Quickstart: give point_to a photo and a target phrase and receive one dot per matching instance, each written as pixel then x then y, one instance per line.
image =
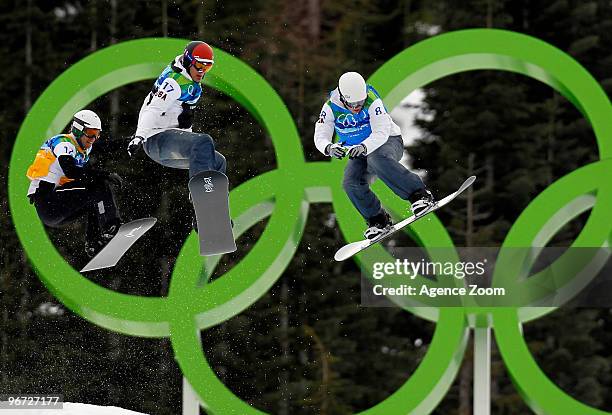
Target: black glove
pixel 357 151
pixel 185 118
pixel 115 180
pixel 335 150
pixel 87 175
pixel 135 145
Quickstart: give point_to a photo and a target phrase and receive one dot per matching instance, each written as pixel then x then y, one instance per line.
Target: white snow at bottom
pixel 72 409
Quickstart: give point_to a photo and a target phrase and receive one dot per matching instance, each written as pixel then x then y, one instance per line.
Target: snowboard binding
pixel 378 224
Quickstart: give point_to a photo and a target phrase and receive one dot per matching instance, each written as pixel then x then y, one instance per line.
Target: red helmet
pixel 198 51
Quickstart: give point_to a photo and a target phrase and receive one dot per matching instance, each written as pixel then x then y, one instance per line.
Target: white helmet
pixel 352 88
pixel 86 119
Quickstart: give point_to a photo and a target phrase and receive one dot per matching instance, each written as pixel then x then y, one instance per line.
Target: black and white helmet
pixel 85 119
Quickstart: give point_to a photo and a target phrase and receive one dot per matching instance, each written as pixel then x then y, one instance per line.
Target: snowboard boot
pixel 94 244
pixel 421 202
pixel 110 231
pixel 378 224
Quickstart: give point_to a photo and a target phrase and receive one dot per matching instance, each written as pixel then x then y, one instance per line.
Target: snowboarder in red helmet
pixel 165 123
pixel 198 58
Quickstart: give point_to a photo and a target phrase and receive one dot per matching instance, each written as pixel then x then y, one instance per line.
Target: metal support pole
pixel 191 403
pixel 482 371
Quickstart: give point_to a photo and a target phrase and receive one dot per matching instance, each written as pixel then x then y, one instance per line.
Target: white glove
pixel 135 145
pixel 335 150
pixel 356 151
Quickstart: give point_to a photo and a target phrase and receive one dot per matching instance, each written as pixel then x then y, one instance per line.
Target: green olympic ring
pixel 181 315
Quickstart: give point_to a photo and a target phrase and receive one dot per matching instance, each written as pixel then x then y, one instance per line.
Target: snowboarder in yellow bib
pixel 63 188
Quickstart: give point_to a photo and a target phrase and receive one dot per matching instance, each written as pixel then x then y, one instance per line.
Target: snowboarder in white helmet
pixel 63 188
pixel 166 116
pixel 373 142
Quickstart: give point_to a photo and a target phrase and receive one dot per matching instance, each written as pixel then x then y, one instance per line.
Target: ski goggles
pixel 352 105
pixel 203 67
pixel 91 133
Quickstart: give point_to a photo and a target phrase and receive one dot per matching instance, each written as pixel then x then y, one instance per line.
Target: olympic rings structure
pixel 191 306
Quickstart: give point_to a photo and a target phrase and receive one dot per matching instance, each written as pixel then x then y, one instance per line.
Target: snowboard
pixel 114 250
pixel 353 248
pixel 210 197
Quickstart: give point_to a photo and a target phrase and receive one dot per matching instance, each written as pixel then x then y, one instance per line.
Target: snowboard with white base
pixel 353 248
pixel 210 197
pixel 114 250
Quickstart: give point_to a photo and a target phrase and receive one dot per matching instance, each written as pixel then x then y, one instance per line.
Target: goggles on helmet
pixel 355 105
pixel 202 67
pixel 91 133
pixel 352 105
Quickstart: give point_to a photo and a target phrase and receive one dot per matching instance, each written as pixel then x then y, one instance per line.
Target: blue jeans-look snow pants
pixel 383 163
pixel 185 150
